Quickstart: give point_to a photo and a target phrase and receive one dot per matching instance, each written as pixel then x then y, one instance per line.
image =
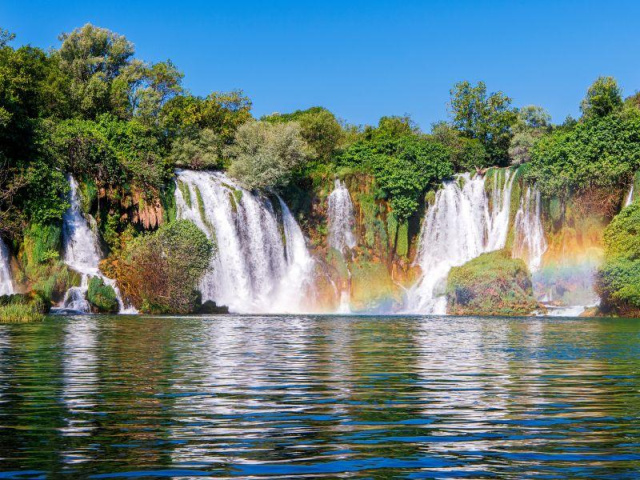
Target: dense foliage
pixel 619 276
pixel 159 271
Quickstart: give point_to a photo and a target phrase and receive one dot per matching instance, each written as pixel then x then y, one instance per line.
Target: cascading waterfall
pixel 341 219
pixel 529 240
pixel 6 282
pixel 82 254
pixel 460 225
pixel 261 265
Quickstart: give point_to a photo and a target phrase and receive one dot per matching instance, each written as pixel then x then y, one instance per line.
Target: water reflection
pixel 320 396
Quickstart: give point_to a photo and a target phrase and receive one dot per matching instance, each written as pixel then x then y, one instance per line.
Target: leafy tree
pixel 404 168
pixel 319 128
pixel 487 118
pixel 220 112
pixel 93 58
pixel 265 155
pixel 531 123
pixel 6 37
pixel 597 152
pixel 198 152
pixel 466 153
pixel 603 98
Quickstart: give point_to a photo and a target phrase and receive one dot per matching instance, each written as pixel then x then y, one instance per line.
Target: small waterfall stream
pixel 341 219
pixel 82 254
pixel 460 225
pixel 6 282
pixel 529 242
pixel 262 265
pixel 629 199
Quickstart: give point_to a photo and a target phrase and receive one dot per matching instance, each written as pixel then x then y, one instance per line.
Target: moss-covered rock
pixel 491 284
pixel 101 296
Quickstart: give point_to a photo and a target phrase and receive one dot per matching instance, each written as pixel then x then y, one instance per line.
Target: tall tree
pixel 487 118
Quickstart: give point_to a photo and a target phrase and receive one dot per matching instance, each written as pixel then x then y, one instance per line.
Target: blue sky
pixel 365 59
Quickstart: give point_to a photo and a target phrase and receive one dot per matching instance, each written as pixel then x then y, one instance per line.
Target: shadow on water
pixel 319 396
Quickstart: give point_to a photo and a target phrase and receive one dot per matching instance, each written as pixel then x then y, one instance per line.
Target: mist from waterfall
pixel 529 239
pixel 262 264
pixel 6 282
pixel 82 254
pixel 461 224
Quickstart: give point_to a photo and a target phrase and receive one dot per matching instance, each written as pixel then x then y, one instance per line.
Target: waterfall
pixel 82 254
pixel 629 200
pixel 6 283
pixel 341 218
pixel 261 264
pixel 529 240
pixel 461 225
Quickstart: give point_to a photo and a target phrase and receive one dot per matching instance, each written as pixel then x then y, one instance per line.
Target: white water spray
pixel 529 242
pixel 261 265
pixel 461 225
pixel 82 254
pixel 6 283
pixel 629 200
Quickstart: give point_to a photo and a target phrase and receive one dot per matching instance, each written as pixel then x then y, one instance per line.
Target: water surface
pixel 287 396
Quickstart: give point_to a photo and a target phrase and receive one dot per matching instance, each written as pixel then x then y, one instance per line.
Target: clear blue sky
pixel 365 59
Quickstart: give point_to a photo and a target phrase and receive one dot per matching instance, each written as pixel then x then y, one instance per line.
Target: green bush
pixel 160 271
pixel 102 297
pixel 491 284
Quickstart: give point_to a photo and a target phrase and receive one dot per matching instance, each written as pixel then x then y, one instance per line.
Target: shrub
pixel 102 297
pixel 160 271
pixel 491 284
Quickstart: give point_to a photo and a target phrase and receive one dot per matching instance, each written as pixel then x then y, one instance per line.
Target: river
pixel 319 396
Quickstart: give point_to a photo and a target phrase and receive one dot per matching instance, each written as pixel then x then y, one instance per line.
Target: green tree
pixel 198 152
pixel 404 168
pixel 487 118
pixel 467 154
pixel 319 128
pixel 531 123
pixel 93 58
pixel 603 97
pixel 597 152
pixel 265 155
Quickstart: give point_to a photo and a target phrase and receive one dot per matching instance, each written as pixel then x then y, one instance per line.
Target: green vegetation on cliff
pixel 619 276
pixel 491 284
